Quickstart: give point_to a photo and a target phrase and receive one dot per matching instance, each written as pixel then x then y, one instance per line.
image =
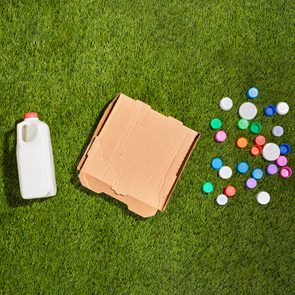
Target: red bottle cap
pixel 230 191
pixel 260 140
pixel 256 150
pixel 30 115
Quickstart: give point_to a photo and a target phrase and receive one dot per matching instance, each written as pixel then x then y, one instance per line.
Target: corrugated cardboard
pixel 136 155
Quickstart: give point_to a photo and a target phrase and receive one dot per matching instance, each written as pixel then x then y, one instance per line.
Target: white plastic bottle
pixel 35 159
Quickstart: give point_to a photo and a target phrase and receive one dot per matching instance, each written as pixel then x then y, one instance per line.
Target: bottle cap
pixel 242 142
pixel 252 92
pixel 221 200
pixel 255 127
pixel 220 136
pixel 270 110
pixel 248 111
pixel 257 173
pixel 282 108
pixel 260 140
pixel 215 123
pixel 230 191
pixel 216 163
pixel 243 124
pixel 226 104
pixel 282 161
pixel 285 148
pixel 277 131
pixel 263 198
pixel 256 150
pixel 207 187
pixel 271 152
pixel 251 183
pixel 272 169
pixel 243 167
pixel 30 115
pixel 225 172
pixel 286 172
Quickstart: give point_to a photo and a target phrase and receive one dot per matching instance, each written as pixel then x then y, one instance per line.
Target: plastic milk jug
pixel 34 158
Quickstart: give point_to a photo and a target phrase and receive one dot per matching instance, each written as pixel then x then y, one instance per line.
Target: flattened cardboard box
pixel 136 155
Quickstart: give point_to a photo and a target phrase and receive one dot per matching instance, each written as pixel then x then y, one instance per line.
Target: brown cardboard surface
pixel 136 155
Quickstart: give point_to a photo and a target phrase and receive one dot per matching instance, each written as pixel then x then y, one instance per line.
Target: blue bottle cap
pixel 257 173
pixel 252 92
pixel 242 167
pixel 270 110
pixel 285 148
pixel 216 163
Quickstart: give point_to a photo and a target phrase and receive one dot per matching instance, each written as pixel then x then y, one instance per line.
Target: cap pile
pixel 270 151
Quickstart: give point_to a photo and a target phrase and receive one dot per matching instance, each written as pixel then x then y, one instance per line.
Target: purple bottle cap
pixel 220 136
pixel 282 161
pixel 251 183
pixel 272 169
pixel 286 172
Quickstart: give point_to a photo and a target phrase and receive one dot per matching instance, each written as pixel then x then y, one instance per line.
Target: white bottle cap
pixel 221 200
pixel 226 104
pixel 271 151
pixel 277 131
pixel 282 108
pixel 248 110
pixel 263 198
pixel 225 172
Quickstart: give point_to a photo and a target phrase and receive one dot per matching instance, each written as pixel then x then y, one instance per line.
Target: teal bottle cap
pixel 215 123
pixel 207 187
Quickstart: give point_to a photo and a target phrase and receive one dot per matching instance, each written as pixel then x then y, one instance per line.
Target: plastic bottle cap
pixel 256 150
pixel 272 169
pixel 286 172
pixel 270 110
pixel 263 198
pixel 243 124
pixel 230 191
pixel 248 111
pixel 216 163
pixel 243 167
pixel 271 152
pixel 255 127
pixel 226 104
pixel 221 200
pixel 251 183
pixel 215 123
pixel 220 136
pixel 260 140
pixel 285 148
pixel 225 172
pixel 277 131
pixel 282 161
pixel 30 115
pixel 252 92
pixel 257 173
pixel 242 142
pixel 207 187
pixel 282 108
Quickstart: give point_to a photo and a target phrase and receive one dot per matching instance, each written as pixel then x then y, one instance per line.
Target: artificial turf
pixel 67 60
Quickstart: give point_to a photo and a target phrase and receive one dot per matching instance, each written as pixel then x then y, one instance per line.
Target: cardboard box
pixel 136 155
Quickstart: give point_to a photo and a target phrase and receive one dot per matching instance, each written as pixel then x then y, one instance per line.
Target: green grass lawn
pixel 66 60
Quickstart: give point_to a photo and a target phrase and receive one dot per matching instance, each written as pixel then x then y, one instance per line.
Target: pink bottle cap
pixel 220 136
pixel 282 161
pixel 286 172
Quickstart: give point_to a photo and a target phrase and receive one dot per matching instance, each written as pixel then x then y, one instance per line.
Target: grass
pixel 66 60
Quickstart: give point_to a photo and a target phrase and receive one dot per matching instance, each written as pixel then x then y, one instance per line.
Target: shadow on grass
pixel 9 162
pixel 76 182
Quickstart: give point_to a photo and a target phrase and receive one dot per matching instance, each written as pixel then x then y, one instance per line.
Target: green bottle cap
pixel 215 123
pixel 255 127
pixel 207 187
pixel 243 124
